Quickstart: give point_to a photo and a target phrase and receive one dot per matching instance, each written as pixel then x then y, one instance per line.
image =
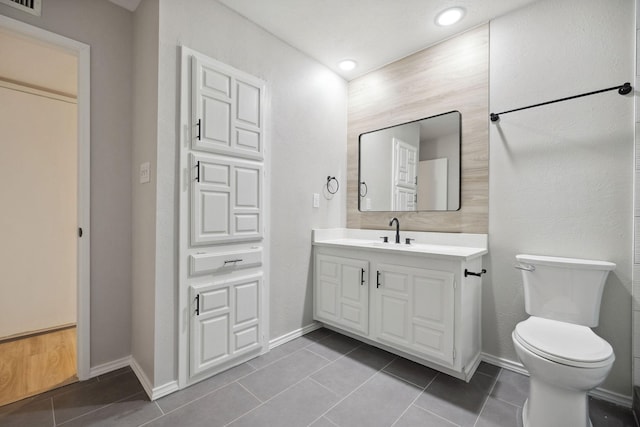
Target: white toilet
pixel 564 357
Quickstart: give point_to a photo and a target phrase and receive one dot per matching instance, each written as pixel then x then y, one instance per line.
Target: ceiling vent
pixel 33 7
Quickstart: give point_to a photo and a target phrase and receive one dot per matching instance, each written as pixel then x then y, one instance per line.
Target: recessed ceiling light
pixel 347 64
pixel 449 16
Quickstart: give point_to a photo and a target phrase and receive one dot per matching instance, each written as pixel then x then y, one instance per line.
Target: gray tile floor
pixel 323 379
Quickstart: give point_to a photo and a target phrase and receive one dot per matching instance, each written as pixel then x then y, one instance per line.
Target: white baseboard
pixel 293 335
pixel 612 397
pixel 168 388
pixel 142 377
pixel 153 392
pixel 598 393
pixel 105 368
pixel 164 390
pixel 504 363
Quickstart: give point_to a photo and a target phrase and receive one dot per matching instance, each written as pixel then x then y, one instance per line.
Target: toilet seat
pixel 564 343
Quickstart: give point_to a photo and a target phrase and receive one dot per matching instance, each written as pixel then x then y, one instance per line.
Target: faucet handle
pixel 408 240
pixel 385 239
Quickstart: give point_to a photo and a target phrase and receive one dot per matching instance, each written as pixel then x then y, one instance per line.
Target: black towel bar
pixel 622 90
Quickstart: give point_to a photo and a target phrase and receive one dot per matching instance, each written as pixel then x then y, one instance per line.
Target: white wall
pixel 107 28
pixel 307 142
pixel 561 175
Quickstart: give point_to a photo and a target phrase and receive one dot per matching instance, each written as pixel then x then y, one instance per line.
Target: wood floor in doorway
pixel 37 363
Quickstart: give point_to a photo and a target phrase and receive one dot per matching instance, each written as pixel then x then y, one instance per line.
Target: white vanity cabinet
pixel 413 309
pixel 416 303
pixel 341 292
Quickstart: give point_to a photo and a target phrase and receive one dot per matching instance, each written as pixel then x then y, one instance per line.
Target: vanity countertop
pixel 440 245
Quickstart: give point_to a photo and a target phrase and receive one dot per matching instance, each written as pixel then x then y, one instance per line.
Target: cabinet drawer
pixel 203 263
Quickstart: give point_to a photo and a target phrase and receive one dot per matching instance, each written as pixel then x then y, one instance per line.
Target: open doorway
pixel 44 190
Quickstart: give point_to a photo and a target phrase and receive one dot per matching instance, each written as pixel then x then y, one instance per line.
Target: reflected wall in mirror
pixel 414 166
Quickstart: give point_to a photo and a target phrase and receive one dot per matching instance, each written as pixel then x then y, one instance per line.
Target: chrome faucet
pixel 397 228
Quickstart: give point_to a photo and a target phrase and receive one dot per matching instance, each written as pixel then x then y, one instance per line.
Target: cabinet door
pixel 342 292
pixel 225 322
pixel 228 110
pixel 414 310
pixel 226 202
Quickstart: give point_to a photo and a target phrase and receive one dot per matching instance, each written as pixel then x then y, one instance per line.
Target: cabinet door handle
pixel 199 124
pixel 362 277
pixel 198 305
pixel 198 171
pixel 377 279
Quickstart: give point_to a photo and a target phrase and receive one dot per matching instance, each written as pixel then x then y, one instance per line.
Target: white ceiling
pixel 371 32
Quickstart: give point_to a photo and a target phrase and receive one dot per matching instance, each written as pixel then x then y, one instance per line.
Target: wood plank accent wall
pixel 452 75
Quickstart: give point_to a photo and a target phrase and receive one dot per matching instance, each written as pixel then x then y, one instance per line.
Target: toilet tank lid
pixel 566 262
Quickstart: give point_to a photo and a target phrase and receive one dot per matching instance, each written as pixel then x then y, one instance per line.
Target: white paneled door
pixel 404 176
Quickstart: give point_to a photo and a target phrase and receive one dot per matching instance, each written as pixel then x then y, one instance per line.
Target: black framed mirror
pixel 412 166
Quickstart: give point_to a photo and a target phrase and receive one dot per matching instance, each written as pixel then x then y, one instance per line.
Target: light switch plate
pixel 145 173
pixel 316 200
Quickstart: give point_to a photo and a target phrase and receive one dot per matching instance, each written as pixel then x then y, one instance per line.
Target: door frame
pixel 83 52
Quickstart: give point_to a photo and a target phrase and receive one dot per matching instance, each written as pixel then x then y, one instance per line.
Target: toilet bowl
pixel 564 357
pixel 564 361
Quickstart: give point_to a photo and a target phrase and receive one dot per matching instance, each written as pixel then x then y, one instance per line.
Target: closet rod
pixel 622 90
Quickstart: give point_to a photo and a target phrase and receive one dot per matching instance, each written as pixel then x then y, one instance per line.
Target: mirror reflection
pixel 414 166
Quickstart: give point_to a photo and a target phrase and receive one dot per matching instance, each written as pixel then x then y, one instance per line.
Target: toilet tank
pixel 564 289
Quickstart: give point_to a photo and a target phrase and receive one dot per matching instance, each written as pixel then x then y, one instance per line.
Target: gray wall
pixel 145 138
pixel 561 175
pixel 307 142
pixel 107 28
pixel 636 250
